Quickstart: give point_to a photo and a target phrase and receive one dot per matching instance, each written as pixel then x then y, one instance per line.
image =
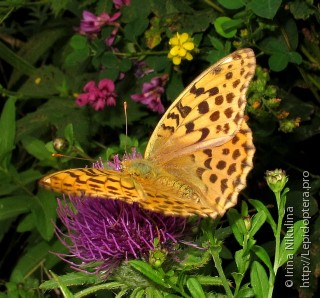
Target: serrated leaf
pixel 209 280
pixel 153 274
pixel 64 289
pixel 75 279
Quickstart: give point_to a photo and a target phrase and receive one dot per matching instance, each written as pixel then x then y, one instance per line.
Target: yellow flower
pixel 181 46
pixel 37 80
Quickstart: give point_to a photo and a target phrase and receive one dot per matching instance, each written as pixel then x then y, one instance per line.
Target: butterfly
pixel 198 157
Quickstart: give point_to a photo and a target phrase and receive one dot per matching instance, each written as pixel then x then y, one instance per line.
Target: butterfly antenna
pixel 72 157
pixel 126 118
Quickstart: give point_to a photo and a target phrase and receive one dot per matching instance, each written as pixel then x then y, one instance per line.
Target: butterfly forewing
pixel 208 112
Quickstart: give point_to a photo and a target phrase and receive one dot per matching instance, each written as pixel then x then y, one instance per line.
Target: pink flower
pixel 98 96
pixel 141 69
pixel 151 94
pixel 91 24
pixel 119 3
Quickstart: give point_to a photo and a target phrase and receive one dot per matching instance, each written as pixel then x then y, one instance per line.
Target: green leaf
pixel 245 291
pixel 136 28
pixel 216 43
pixel 259 280
pixel 292 241
pixel 77 57
pixel 64 290
pixel 15 205
pixel 209 280
pixel 44 213
pixel 263 255
pixel 278 61
pixel 16 61
pixel 295 57
pixel 242 261
pixel 36 148
pixel 244 209
pixel 13 181
pixel 78 42
pixel 8 132
pixel 153 274
pixel 231 4
pixel 195 288
pixel 28 262
pixel 137 9
pixel 237 224
pixel 75 279
pixel 265 8
pixel 256 223
pixel 153 293
pixel 291 34
pixel 225 26
pixel 262 208
pixel 37 47
pixel 301 9
pixel 56 111
pixel 138 292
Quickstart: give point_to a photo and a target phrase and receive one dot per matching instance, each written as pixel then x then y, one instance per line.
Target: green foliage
pixel 45 64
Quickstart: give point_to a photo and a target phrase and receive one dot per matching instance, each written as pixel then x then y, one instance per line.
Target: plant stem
pixel 278 243
pixel 217 263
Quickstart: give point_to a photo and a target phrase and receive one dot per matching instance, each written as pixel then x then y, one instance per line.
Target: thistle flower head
pixel 103 233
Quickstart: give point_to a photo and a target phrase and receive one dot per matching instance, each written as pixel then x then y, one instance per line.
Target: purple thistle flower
pixel 103 233
pixel 151 94
pixel 98 96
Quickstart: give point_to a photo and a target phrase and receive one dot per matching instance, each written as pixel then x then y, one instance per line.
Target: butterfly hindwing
pixel 217 174
pixel 90 182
